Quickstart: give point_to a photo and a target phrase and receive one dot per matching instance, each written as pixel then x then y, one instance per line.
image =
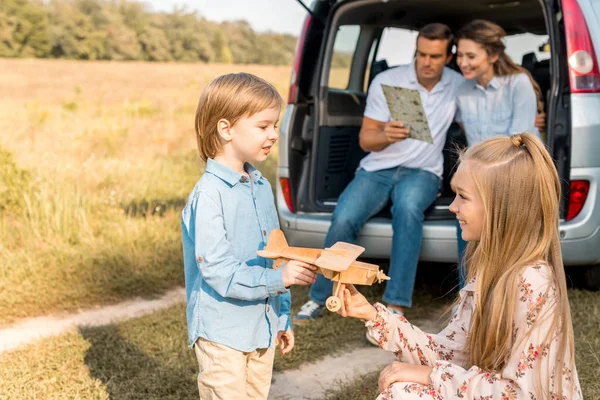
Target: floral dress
pixel 451 378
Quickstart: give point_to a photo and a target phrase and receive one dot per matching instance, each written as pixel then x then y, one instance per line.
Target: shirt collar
pixel 230 176
pixel 470 286
pixel 495 83
pixel 412 73
pixel 412 77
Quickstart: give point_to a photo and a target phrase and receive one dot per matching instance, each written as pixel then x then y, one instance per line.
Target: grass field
pixel 97 159
pixel 148 357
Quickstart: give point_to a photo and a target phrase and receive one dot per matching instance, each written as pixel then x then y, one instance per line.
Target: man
pixel 407 171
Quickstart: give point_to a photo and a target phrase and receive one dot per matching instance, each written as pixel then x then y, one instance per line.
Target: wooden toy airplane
pixel 337 263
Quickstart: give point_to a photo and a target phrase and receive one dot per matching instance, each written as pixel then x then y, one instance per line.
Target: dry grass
pixel 102 156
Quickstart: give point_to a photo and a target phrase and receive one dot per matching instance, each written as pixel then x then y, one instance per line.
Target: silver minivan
pixel 344 44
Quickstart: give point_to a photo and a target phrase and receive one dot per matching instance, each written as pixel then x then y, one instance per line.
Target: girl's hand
pixel 286 340
pixel 355 304
pixel 403 372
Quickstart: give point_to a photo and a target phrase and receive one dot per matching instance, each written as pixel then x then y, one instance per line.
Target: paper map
pixel 405 106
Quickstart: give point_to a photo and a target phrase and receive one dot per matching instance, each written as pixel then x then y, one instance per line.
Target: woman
pixel 498 97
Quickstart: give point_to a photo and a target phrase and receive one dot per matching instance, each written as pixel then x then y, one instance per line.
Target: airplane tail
pixel 277 241
pixel 275 246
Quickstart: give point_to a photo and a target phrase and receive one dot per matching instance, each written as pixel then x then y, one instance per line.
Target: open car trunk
pixel 324 153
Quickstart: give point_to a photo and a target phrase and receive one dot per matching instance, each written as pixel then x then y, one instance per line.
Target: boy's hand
pixel 298 273
pixel 355 304
pixel 286 340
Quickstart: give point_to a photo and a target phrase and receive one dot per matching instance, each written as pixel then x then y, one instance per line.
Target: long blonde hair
pixel 489 35
pixel 520 190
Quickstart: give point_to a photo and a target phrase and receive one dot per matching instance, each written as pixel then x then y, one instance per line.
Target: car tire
pixel 591 277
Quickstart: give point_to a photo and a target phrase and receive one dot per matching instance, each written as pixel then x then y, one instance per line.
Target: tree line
pixel 129 30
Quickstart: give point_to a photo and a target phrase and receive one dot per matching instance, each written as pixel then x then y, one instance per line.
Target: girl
pixel 510 336
pixel 498 97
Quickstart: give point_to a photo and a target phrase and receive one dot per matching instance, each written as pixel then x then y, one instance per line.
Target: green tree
pixel 24 28
pixel 128 30
pixel 189 36
pixel 74 34
pixel 7 26
pixel 221 48
pixel 155 45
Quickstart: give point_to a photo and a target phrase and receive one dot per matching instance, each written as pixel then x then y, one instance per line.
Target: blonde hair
pixel 230 97
pixel 520 190
pixel 489 36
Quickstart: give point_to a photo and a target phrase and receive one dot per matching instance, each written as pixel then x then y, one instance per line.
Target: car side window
pixel 343 51
pixel 395 47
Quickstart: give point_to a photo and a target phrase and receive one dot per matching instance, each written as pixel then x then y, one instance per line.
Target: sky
pixel 287 16
pixel 282 16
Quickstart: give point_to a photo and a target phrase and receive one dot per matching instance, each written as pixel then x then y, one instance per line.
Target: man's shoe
pixel 372 340
pixel 308 312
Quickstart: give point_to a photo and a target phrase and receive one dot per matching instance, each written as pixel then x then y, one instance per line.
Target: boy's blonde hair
pixel 230 97
pixel 520 190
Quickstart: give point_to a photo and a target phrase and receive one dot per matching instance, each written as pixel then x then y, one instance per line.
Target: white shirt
pixel 507 106
pixel 439 106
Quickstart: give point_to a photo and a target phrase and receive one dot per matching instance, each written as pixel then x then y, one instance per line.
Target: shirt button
pixel 265 233
pixel 200 259
pixel 268 309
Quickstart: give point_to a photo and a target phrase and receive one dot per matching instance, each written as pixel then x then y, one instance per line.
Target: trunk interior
pixel 324 150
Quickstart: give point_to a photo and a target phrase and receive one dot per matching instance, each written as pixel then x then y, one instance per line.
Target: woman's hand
pixel 403 372
pixel 540 121
pixel 355 304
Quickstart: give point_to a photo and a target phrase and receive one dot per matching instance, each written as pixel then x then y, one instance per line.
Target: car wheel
pixel 591 277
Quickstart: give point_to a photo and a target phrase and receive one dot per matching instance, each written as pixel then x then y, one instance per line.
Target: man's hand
pixel 354 304
pixel 403 372
pixel 286 340
pixel 395 131
pixel 377 135
pixel 298 273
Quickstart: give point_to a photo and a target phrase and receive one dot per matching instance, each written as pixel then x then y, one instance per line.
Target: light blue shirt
pixel 234 297
pixel 506 107
pixel 439 106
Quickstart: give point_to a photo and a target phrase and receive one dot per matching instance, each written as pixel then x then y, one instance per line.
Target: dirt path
pixel 30 330
pixel 311 381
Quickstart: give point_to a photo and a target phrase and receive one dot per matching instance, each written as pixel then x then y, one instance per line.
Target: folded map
pixel 405 106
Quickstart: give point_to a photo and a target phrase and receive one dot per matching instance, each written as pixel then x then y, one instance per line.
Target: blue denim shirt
pixel 507 106
pixel 234 297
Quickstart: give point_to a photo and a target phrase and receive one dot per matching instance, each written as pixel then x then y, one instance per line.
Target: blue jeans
pixel 412 191
pixel 462 246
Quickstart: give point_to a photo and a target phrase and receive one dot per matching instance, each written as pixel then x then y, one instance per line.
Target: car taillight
pixel 577 196
pixel 297 60
pixel 287 195
pixel 583 66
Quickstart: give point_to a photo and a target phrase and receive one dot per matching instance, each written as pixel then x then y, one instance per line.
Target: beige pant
pixel 228 374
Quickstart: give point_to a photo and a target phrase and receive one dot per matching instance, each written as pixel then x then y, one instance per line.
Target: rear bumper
pixel 580 237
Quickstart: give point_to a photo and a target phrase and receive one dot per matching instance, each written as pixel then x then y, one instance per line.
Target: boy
pixel 237 306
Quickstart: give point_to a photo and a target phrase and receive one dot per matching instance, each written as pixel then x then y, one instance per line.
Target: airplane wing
pixel 351 250
pixel 339 256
